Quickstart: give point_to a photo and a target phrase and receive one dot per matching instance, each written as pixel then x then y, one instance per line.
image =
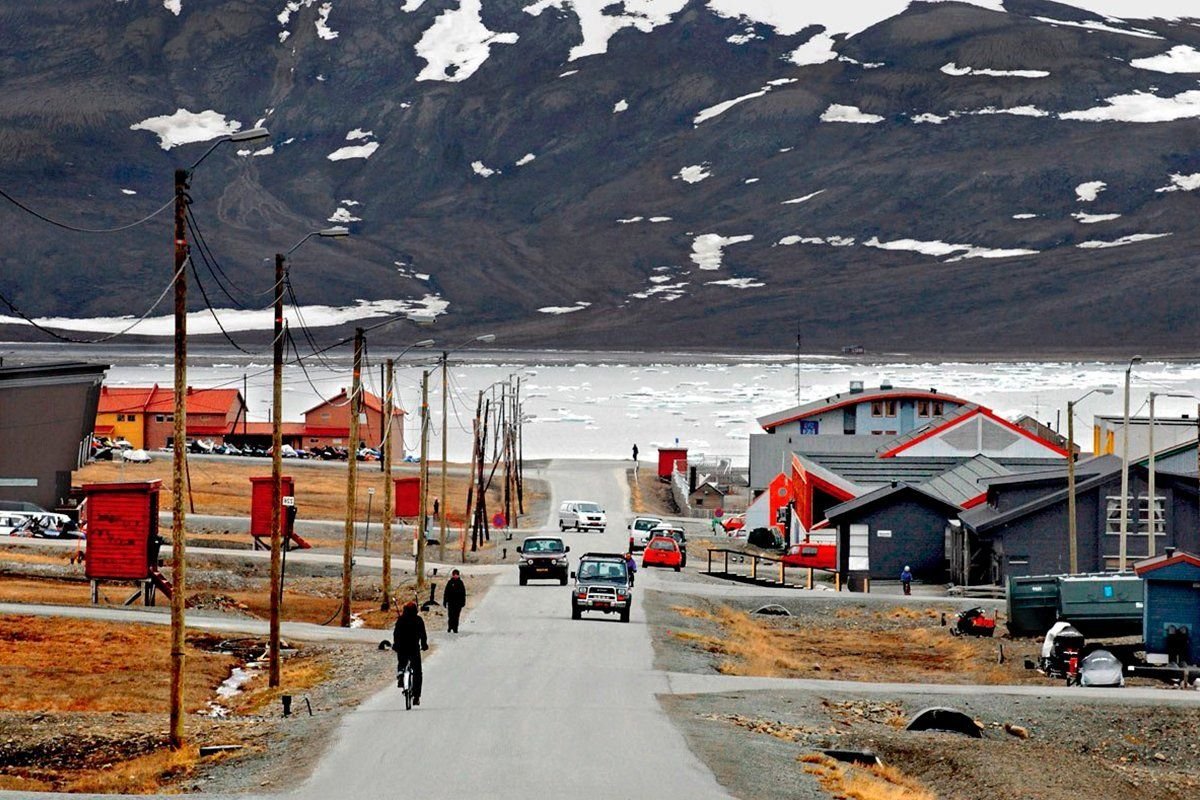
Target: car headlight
pixel 561 562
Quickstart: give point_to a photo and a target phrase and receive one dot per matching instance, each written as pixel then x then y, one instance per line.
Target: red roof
pixel 155 400
pixel 772 421
pixel 370 402
pixel 121 400
pixel 1158 562
pixel 958 420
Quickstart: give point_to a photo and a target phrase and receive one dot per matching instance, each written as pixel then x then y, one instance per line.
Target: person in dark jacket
pixel 408 640
pixel 455 597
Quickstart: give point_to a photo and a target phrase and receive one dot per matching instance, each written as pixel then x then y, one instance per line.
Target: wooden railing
pixel 774 572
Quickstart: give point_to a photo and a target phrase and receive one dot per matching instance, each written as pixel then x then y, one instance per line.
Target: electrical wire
pixel 216 319
pixel 210 260
pixel 77 229
pixel 308 378
pixel 13 308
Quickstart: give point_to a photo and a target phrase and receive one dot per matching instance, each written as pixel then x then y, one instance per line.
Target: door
pixel 860 548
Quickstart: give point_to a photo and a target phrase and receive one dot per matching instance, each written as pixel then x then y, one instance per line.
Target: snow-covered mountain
pixel 990 176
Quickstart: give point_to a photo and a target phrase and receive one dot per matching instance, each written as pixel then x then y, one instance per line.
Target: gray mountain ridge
pixel 919 247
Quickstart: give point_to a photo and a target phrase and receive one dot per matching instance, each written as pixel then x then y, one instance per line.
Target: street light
pixel 386 458
pixel 1151 501
pixel 179 434
pixel 485 338
pixel 1072 534
pixel 1125 469
pixel 277 455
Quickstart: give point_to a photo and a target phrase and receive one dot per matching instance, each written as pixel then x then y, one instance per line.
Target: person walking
pixel 409 640
pixel 455 598
pixel 635 452
pixel 906 579
pixel 631 566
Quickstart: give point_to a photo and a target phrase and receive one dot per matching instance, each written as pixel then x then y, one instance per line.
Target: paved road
pixel 533 703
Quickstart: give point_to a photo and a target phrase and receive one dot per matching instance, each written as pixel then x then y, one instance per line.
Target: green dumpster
pixel 1102 606
pixel 1032 604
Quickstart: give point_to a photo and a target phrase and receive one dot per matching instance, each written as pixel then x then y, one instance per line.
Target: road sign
pixel 499 521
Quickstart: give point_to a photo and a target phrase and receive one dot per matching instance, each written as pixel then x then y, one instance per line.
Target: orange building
pixel 145 417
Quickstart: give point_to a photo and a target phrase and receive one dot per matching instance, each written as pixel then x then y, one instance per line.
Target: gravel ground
pixel 1102 750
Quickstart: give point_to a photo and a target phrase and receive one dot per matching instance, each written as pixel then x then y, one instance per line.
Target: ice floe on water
pixel 1133 238
pixel 957 71
pixel 852 114
pixel 458 43
pixel 1088 192
pixel 185 127
pixel 708 249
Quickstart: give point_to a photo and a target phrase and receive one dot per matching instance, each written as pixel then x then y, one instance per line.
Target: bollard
pixel 503 553
pixel 287 704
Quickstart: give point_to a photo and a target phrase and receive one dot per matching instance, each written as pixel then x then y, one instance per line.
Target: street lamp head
pixel 1105 389
pixel 487 337
pixel 1134 360
pixel 334 233
pixel 424 343
pixel 254 134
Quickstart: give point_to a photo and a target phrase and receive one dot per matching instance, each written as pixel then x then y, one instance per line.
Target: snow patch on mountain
pixel 482 170
pixel 599 20
pixel 1181 58
pixel 694 173
pixel 721 108
pixel 174 6
pixel 1141 107
pixel 832 241
pixel 1124 240
pixel 737 283
pixel 1024 216
pixel 817 50
pixel 804 199
pixel 927 118
pixel 1182 183
pixel 1091 219
pixel 1088 192
pixel 458 43
pixel 323 29
pixel 957 71
pixel 579 306
pixel 708 249
pixel 186 127
pixel 1094 25
pixel 939 248
pixel 131 191
pixel 853 114
pixel 344 215
pixel 620 105
pixel 525 159
pixel 354 151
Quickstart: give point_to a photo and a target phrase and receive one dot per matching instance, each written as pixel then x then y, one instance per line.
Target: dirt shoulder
pixel 762 746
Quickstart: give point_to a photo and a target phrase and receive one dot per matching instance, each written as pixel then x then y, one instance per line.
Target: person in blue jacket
pixel 906 579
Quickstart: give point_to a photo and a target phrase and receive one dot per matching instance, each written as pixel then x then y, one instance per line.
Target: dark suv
pixel 602 584
pixel 543 557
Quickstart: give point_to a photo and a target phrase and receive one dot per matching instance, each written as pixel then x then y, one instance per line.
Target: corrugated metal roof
pixel 842 398
pixel 882 493
pixel 933 424
pixel 965 481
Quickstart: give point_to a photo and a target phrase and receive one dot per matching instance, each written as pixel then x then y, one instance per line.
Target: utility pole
pixel 444 497
pixel 352 475
pixel 276 476
pixel 798 365
pixel 422 518
pixel 388 488
pixel 1072 532
pixel 469 516
pixel 179 461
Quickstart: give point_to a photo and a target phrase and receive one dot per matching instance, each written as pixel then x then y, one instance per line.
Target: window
pixel 1137 533
pixel 325 415
pixel 938 408
pixel 876 408
pixel 120 417
pixel 159 418
pixel 170 417
pixel 922 408
pixel 889 408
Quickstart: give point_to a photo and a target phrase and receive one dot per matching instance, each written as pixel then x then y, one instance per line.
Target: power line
pixel 216 319
pixel 77 229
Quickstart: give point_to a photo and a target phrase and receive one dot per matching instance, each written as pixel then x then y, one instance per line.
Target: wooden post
pixel 389 489
pixel 273 667
pixel 352 476
pixel 754 568
pixel 810 577
pixel 423 518
pixel 179 463
pixel 444 499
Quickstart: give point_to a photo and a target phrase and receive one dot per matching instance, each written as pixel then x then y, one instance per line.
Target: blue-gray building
pixel 1171 616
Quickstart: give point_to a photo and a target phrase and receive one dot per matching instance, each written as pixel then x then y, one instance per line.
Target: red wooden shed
pixel 670 459
pixel 408 497
pixel 122 530
pixel 260 510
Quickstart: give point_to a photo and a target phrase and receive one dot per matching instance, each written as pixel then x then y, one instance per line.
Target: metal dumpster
pixel 1102 606
pixel 1032 604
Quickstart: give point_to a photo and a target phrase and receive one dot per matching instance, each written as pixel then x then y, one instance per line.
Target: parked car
pixel 41 525
pixel 601 584
pixel 639 531
pixel 543 557
pixel 581 515
pixel 814 555
pixel 663 551
pixel 674 532
pixel 135 456
pixel 732 525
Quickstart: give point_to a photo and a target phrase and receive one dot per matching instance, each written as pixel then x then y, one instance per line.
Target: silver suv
pixel 601 584
pixel 581 515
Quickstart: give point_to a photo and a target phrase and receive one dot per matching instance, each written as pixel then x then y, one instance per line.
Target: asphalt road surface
pixel 526 703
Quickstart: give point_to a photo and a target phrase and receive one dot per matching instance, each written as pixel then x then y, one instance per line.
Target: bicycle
pixel 404 680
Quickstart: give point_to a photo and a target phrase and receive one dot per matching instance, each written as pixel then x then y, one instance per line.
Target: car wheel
pixel 575 612
pixel 577 528
pixel 678 568
pixel 524 580
pixel 625 615
pixel 561 527
pixel 562 581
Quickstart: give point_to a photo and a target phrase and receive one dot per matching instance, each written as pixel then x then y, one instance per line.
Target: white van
pixel 581 515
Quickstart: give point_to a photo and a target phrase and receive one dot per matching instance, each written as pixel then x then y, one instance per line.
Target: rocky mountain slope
pixel 999 176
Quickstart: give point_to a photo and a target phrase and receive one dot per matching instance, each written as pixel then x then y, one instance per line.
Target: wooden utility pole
pixel 352 475
pixel 179 461
pixel 468 516
pixel 388 488
pixel 423 516
pixel 276 477
pixel 444 497
pixel 520 417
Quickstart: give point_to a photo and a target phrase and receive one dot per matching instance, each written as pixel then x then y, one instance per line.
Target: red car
pixel 662 551
pixel 811 554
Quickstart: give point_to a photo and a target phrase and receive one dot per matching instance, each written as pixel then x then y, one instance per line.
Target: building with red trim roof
pixel 145 416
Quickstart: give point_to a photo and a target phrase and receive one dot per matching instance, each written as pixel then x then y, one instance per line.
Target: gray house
pixel 47 413
pixel 881 532
pixel 1022 528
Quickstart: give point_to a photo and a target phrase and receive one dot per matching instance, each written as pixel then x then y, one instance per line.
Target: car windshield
pixel 542 546
pixel 602 570
pixel 645 524
pixel 590 508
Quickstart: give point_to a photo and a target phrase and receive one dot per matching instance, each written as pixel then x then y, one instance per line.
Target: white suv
pixel 639 531
pixel 581 515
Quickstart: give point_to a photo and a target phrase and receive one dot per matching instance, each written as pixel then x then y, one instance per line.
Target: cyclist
pixel 408 640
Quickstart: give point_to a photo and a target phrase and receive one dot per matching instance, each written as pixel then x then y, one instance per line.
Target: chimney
pixel 885 385
pixel 1169 551
pixel 856 387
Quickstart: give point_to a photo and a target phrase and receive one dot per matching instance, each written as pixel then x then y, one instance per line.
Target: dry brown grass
pixel 141 775
pixel 22 557
pixel 879 782
pixel 776 648
pixel 34 590
pixel 54 665
pixel 297 674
